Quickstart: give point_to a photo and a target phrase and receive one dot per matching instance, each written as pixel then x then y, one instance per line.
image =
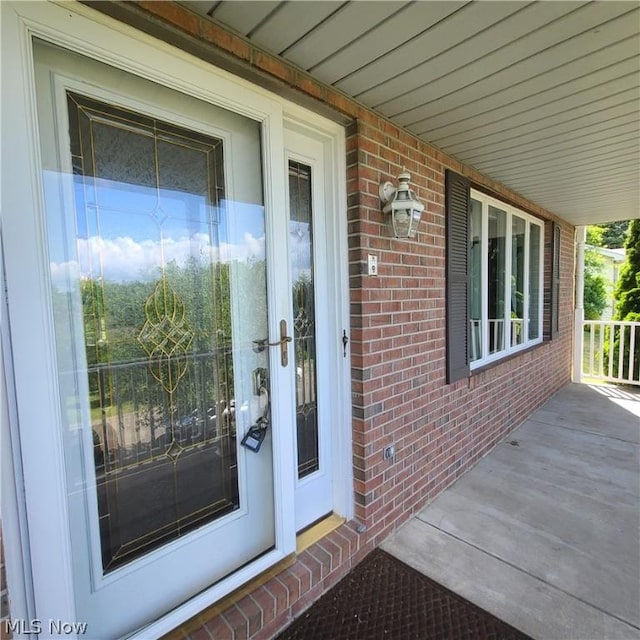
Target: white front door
pixel 155 232
pixel 161 222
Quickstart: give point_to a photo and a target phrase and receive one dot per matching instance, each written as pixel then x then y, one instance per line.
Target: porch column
pixel 578 337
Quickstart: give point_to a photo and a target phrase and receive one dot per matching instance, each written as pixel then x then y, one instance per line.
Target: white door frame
pixel 315 149
pixel 84 30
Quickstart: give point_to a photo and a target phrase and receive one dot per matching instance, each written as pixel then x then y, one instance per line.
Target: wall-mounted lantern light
pixel 403 205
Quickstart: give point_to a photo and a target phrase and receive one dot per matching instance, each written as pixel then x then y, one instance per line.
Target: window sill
pixel 512 356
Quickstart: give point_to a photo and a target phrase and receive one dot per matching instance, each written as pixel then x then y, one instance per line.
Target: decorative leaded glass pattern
pixel 157 328
pixel 166 335
pixel 304 317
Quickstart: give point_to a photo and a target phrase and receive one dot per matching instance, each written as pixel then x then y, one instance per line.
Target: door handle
pixel 261 345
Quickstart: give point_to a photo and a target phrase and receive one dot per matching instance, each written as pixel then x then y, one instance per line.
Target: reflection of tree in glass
pixel 304 317
pixel 130 411
pixel 305 353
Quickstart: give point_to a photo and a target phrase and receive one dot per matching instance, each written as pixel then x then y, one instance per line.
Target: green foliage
pixel 612 234
pixel 626 352
pixel 627 290
pixel 121 372
pixel 595 295
pixel 595 286
pixel 594 235
pixel 627 294
pixel 593 261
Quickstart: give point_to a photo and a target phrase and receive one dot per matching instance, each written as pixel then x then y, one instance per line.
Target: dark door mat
pixel 383 598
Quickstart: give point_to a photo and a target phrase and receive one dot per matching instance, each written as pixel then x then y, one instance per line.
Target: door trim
pixel 332 136
pixel 90 33
pixel 15 537
pixel 311 148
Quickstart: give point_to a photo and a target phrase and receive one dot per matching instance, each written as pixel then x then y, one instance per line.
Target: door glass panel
pixel 518 231
pixel 301 243
pixel 160 287
pixel 475 276
pixel 534 281
pixel 497 263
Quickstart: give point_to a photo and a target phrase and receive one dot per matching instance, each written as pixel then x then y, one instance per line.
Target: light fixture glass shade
pixel 403 205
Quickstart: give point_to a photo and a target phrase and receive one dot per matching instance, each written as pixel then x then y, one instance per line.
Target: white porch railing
pixel 496 335
pixel 611 351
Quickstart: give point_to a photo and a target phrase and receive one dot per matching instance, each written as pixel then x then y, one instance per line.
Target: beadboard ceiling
pixel 542 96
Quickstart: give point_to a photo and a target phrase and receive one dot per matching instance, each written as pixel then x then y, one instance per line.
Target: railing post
pixel 578 334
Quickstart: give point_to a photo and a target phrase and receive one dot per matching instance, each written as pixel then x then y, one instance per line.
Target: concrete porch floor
pixel 544 532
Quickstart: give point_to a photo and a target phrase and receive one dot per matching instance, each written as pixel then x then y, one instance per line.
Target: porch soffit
pixel 543 97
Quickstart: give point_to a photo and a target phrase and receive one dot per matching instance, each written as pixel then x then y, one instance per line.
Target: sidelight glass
pixel 304 317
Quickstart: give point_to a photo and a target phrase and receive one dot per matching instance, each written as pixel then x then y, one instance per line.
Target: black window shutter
pixel 457 196
pixel 555 282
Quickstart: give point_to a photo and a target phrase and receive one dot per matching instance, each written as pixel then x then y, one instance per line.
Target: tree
pixel 595 235
pixel 595 287
pixel 627 295
pixel 612 234
pixel 627 290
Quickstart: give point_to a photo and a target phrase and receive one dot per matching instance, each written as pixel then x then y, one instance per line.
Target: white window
pixel 505 274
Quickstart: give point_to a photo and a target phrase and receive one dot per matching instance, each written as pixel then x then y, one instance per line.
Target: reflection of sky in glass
pixel 126 232
pixel 128 246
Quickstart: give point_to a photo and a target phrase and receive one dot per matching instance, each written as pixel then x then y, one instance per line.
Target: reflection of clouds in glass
pixel 62 273
pixel 300 249
pixel 123 259
pixel 249 249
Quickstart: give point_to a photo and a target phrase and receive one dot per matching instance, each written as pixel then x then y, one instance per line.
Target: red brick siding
pixel 398 340
pixel 397 349
pixel 271 606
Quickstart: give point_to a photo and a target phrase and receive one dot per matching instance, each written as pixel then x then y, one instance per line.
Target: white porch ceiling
pixel 543 97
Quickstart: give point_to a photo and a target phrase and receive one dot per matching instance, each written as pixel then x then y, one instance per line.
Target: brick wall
pixel 397 337
pixel 398 345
